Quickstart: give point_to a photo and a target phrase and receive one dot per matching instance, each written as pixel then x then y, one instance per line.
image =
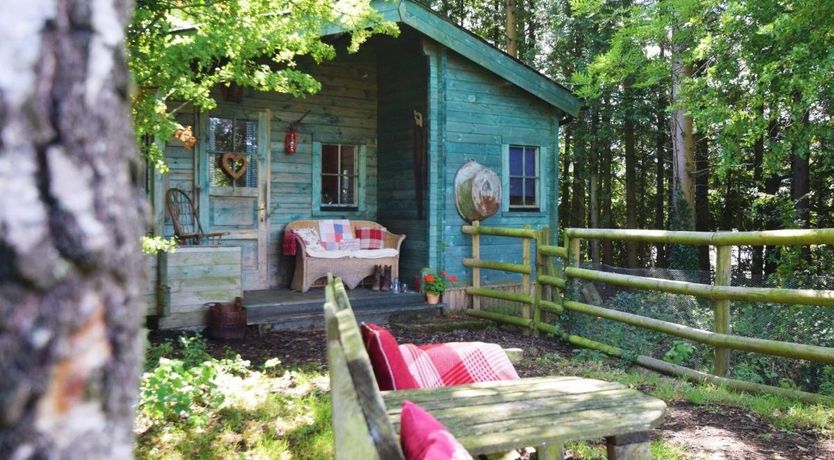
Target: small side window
pixel 524 178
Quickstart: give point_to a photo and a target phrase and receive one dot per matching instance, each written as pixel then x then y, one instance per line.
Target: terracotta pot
pixel 432 298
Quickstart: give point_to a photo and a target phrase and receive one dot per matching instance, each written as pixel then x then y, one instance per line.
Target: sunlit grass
pixel 264 416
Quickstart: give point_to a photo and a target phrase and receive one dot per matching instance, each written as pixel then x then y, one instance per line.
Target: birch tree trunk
pixel 683 167
pixel 70 221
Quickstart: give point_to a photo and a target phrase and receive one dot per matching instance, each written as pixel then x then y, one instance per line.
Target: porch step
pixel 277 319
pixel 286 311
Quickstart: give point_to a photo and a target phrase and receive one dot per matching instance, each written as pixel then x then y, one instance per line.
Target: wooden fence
pixel 554 290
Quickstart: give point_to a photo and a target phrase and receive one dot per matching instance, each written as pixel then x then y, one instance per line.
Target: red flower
pixel 453 279
pixel 429 278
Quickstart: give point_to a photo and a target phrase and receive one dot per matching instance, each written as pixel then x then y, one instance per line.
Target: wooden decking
pixel 285 309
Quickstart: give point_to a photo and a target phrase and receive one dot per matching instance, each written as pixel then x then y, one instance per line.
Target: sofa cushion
pixel 334 231
pixel 389 367
pixel 310 237
pixel 320 253
pixel 422 437
pixel 349 245
pixel 374 253
pixel 371 237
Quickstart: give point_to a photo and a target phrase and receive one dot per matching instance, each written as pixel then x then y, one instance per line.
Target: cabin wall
pixel 343 111
pixel 402 90
pixel 482 113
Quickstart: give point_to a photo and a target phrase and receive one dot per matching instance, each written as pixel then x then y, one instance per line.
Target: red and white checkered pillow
pixel 371 237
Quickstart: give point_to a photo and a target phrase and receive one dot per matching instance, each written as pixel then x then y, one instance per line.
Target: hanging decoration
pixel 291 138
pixel 234 164
pixel 186 136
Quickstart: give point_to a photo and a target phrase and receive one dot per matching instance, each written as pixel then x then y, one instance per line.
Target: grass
pixel 271 413
pixel 784 413
pixel 284 413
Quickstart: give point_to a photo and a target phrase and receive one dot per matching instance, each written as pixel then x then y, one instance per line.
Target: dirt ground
pixel 709 432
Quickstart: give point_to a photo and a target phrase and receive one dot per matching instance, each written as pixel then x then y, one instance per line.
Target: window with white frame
pixel 339 176
pixel 524 179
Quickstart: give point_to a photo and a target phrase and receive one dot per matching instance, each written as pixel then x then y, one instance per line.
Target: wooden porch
pixel 287 309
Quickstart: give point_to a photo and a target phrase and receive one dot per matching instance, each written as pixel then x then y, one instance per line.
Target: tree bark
pixel 630 185
pixel 606 207
pixel 565 207
pixel 683 168
pixel 800 187
pixel 757 264
pixel 71 218
pixel 511 27
pixel 660 165
pixel 703 219
pixel 593 182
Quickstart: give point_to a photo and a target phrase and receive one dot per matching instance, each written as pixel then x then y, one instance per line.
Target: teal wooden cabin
pixel 474 101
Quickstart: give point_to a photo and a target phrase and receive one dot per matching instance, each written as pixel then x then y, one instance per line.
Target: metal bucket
pixel 477 191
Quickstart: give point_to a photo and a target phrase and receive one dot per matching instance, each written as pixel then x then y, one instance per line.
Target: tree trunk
pixel 771 188
pixel 607 220
pixel 630 185
pixel 565 203
pixel 757 265
pixel 70 210
pixel 683 167
pixel 703 220
pixel 512 29
pixel 660 165
pixel 800 188
pixel 593 182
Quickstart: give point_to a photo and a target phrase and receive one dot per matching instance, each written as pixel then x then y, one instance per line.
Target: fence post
pixel 542 237
pixel 476 272
pixel 721 310
pixel 525 278
pixel 572 245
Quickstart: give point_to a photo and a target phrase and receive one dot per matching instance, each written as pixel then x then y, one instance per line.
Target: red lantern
pixel 291 141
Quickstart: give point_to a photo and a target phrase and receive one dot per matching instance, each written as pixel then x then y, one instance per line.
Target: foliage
pixel 155 244
pixel 680 353
pixel 173 392
pixel 181 51
pixel 435 283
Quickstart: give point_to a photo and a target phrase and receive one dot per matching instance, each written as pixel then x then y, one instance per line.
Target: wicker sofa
pixel 352 266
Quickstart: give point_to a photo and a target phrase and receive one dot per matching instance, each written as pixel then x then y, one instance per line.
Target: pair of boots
pixel 382 278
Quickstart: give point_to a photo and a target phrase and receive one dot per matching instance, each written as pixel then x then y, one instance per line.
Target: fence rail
pixel 554 290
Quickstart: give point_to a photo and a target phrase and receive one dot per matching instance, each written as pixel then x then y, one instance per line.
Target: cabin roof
pixel 480 52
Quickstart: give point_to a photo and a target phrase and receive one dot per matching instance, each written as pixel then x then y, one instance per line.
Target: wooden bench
pixel 489 417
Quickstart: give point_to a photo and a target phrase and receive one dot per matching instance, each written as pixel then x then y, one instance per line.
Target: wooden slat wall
pixel 197 275
pixel 402 89
pixel 344 111
pixel 181 164
pixel 483 112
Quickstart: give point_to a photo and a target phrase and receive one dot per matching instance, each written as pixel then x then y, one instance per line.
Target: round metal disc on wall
pixel 477 191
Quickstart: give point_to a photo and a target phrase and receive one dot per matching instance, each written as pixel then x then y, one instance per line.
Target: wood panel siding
pixel 483 113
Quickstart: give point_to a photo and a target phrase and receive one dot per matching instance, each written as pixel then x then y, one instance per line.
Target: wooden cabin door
pixel 235 186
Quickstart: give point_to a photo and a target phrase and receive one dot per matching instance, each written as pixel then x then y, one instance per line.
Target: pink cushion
pixel 371 237
pixel 389 366
pixel 422 437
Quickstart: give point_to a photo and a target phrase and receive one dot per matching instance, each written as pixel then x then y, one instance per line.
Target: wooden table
pixel 541 412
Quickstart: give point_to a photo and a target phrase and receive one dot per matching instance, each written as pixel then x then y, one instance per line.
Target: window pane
pixel 530 192
pixel 220 134
pixel 246 136
pixel 330 159
pixel 346 195
pixel 329 190
pixel 516 186
pixel 348 159
pixel 529 161
pixel 515 160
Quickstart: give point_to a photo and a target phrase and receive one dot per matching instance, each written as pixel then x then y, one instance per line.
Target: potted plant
pixel 434 285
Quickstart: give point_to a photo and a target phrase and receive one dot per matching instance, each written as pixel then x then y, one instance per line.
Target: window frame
pixel 541 181
pixel 253 157
pixel 360 171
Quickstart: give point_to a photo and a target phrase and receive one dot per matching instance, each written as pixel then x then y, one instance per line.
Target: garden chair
pixel 187 228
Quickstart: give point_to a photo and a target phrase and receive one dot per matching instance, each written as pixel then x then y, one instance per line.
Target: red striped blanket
pixel 457 363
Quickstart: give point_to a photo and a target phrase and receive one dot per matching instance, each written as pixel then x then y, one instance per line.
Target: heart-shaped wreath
pixel 234 164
